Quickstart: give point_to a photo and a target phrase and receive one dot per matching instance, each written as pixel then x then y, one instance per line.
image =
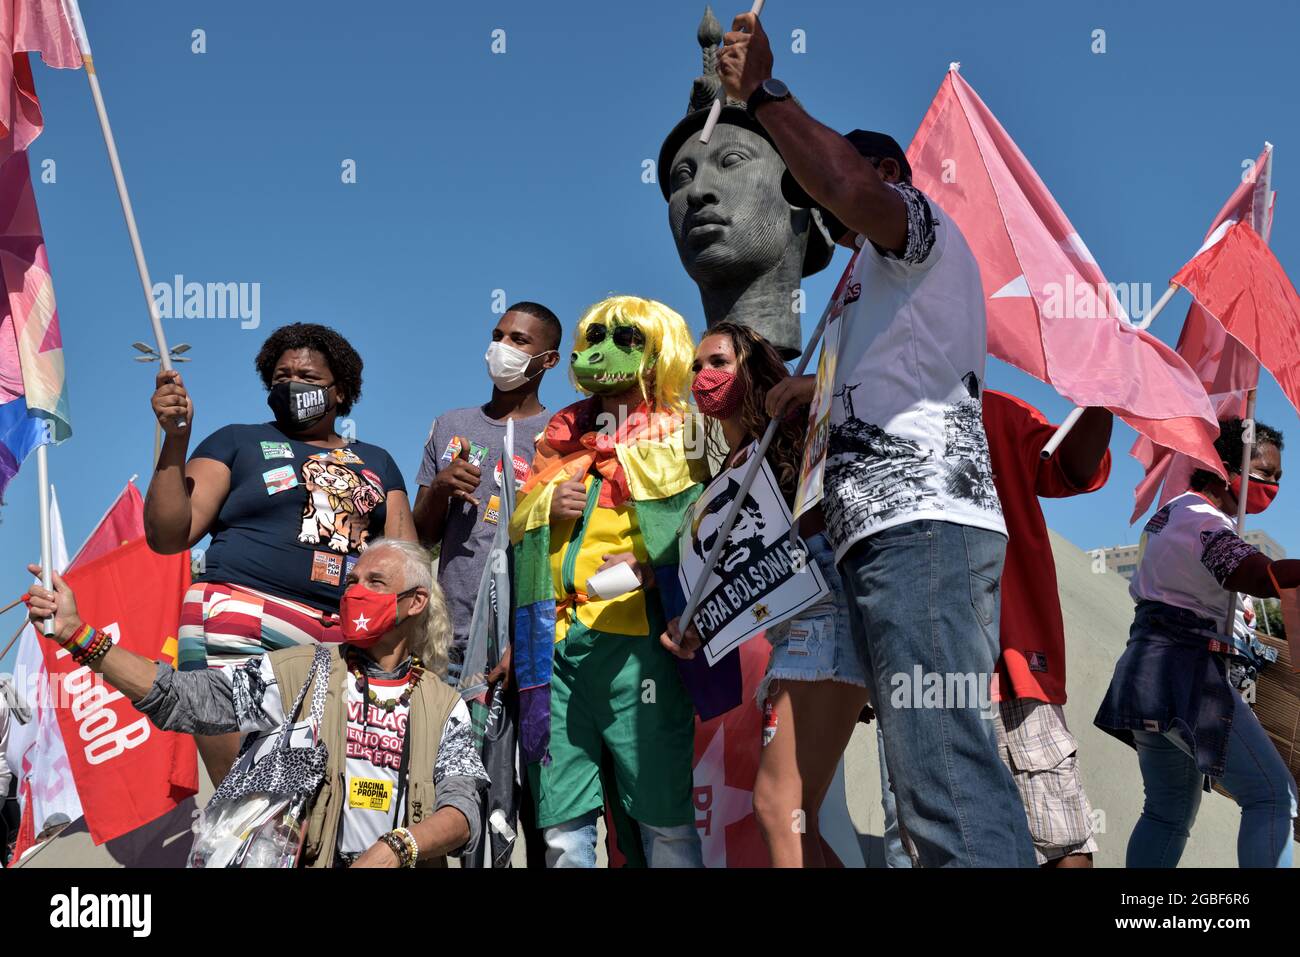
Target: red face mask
pixel 366 616
pixel 718 393
pixel 1259 495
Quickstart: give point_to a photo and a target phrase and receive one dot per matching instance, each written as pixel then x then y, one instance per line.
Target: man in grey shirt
pixel 458 505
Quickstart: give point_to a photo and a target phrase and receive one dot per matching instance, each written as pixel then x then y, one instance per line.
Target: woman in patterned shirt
pixel 1170 697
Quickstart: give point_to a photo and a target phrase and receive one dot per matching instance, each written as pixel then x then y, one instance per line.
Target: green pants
pixel 623 695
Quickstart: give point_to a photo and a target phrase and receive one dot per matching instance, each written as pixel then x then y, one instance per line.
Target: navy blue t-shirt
pixel 297 515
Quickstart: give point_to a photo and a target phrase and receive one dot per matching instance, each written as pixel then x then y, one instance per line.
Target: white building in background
pixel 1123 559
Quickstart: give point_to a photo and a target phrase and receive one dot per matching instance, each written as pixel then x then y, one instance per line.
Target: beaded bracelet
pixel 87 645
pixel 412 846
pixel 400 848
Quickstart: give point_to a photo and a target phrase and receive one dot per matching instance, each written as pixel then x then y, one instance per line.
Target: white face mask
pixel 508 366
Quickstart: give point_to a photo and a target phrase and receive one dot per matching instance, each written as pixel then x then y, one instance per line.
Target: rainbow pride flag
pixel 33 390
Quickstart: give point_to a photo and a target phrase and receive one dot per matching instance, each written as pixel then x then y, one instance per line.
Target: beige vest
pixel 431 705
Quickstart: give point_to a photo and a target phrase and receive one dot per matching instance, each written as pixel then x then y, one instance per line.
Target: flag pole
pixel 47 568
pixel 1072 419
pixel 83 42
pixel 1263 223
pixel 751 473
pixel 715 111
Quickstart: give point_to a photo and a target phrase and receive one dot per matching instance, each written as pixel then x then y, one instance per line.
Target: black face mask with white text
pixel 298 406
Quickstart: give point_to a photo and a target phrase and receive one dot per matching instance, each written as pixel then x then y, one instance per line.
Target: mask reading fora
pixel 298 406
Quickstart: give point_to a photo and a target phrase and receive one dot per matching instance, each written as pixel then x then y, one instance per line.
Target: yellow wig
pixel 669 349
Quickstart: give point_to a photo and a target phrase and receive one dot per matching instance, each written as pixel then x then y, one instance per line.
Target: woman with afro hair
pixel 289 503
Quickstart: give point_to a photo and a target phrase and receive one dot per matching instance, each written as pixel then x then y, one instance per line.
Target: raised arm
pixel 183 499
pixel 822 161
pixel 192 702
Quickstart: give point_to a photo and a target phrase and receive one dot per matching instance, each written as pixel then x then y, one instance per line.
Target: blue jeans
pixel 896 855
pixel 573 844
pixel 924 599
pixel 1254 774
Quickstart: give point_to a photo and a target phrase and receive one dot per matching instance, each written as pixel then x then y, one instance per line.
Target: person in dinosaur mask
pixel 1170 697
pixel 612 480
pixel 290 505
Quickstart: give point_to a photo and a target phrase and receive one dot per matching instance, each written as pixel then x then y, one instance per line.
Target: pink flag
pixel 1050 309
pixel 37 26
pixel 1227 369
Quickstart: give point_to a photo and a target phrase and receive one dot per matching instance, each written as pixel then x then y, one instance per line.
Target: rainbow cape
pixel 649 463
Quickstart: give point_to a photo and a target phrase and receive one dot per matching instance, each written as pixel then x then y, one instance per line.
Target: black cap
pixel 868 143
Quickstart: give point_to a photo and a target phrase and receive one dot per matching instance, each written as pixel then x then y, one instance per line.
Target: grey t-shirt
pixel 467 536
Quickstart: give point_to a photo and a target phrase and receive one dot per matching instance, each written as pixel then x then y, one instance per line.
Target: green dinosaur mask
pixel 610 363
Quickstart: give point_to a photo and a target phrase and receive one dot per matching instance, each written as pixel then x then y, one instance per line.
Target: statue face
pixel 729 219
pixel 609 363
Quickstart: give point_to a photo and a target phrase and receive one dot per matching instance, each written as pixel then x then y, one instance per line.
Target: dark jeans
pixel 925 601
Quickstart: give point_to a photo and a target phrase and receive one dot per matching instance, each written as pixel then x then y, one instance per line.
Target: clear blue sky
pixel 522 171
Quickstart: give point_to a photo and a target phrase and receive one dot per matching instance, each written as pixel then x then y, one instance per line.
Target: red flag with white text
pixel 127 771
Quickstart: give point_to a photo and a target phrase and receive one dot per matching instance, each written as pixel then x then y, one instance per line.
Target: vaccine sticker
pixel 522 471
pixel 369 794
pixel 280 480
pixel 277 450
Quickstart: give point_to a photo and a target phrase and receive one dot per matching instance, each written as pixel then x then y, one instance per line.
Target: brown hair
pixel 759 367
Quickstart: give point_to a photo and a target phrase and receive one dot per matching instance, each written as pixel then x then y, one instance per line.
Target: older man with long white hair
pixel 403 777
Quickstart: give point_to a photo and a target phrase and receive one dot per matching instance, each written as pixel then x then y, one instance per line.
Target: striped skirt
pixel 224 624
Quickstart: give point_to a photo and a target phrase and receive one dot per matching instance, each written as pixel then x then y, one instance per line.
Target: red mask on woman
pixel 1259 495
pixel 718 393
pixel 366 616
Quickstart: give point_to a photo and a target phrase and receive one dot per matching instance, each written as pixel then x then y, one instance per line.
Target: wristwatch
pixel 770 90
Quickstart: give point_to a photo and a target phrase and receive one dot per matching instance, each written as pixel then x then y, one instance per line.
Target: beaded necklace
pixel 386 705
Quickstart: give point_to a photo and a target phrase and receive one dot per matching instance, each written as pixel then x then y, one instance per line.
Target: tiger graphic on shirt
pixel 338 504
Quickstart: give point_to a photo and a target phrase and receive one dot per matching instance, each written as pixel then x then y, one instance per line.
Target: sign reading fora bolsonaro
pixel 762 577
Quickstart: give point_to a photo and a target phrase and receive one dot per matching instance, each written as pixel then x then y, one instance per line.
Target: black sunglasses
pixel 625 337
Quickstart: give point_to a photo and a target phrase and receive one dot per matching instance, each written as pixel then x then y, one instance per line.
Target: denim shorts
pixel 817 644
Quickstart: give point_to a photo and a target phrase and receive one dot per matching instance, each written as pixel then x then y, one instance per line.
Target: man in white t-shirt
pixel 910 504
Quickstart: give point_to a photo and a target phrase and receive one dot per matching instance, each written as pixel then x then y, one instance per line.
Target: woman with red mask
pixel 403 778
pixel 1171 696
pixel 815 686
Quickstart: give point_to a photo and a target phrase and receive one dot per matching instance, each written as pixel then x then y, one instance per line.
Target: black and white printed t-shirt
pixel 1189 550
pixel 907 436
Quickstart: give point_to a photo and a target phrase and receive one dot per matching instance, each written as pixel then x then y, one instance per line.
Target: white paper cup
pixel 614 581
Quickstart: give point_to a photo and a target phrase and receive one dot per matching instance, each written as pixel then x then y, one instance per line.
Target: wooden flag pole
pixel 83 42
pixel 715 111
pixel 751 473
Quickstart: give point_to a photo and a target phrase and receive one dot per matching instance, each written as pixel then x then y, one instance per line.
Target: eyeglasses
pixel 625 337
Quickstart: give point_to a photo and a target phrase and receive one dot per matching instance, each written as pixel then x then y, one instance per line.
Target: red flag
pixel 1227 370
pixel 1050 309
pixel 122 523
pixel 127 771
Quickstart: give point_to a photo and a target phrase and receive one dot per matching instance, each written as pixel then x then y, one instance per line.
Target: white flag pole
pixel 1072 419
pixel 73 12
pixel 751 473
pixel 47 548
pixel 715 111
pixel 1262 224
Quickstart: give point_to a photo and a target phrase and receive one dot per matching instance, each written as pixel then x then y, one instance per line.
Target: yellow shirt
pixel 608 532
